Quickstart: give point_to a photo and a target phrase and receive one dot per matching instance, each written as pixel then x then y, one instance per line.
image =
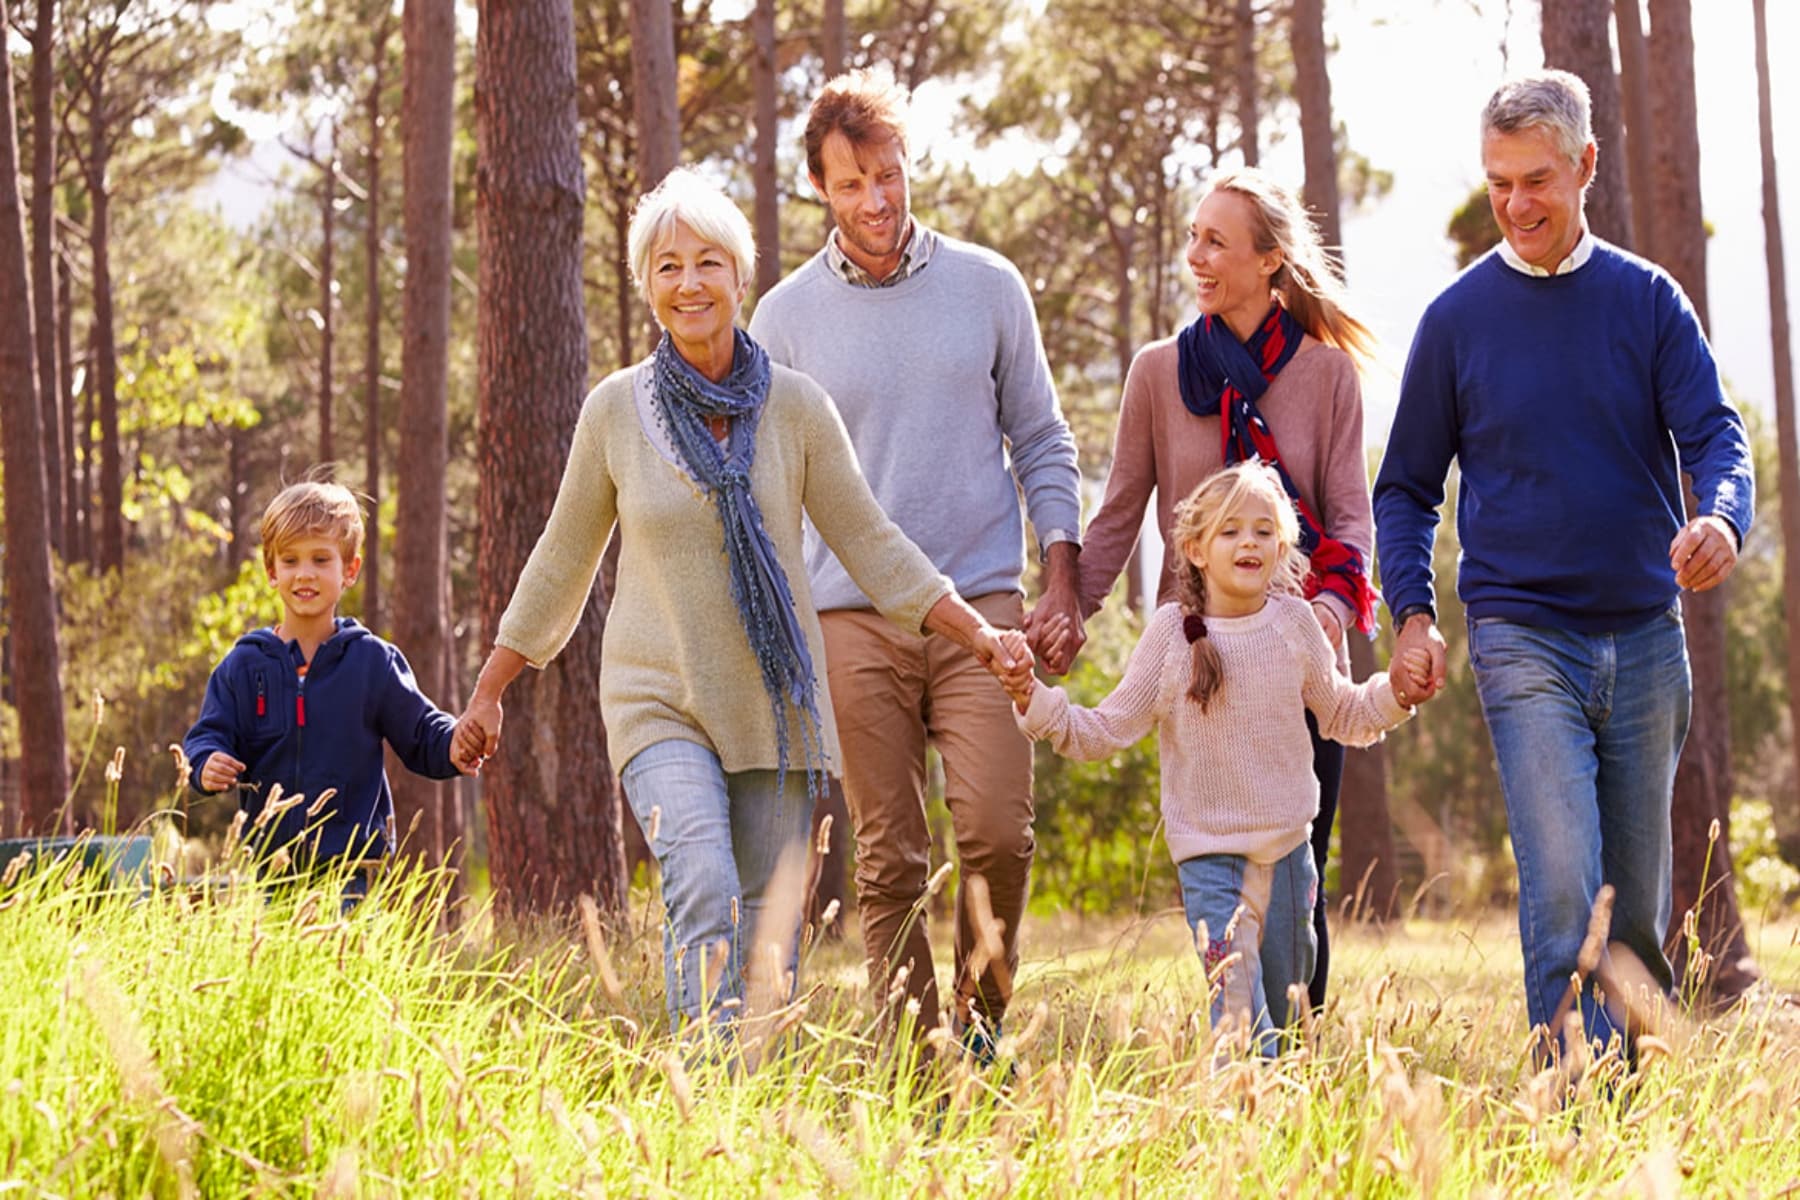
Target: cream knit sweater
pixel 676 662
pixel 1237 778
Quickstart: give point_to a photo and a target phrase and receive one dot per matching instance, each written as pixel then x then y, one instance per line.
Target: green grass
pixel 224 1045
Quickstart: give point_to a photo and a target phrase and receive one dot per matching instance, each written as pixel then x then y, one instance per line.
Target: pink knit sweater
pixel 1314 408
pixel 1236 778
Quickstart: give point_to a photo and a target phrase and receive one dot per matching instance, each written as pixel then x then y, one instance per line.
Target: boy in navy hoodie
pixel 308 704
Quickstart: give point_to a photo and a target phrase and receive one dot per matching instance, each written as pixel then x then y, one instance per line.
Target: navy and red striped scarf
pixel 1221 376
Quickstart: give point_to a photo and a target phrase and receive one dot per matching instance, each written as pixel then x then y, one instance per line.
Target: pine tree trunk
pixel 654 98
pixel 1787 805
pixel 1312 88
pixel 111 544
pixel 30 585
pixel 371 572
pixel 74 508
pixel 421 547
pixel 327 302
pixel 553 812
pixel 1634 88
pixel 1703 878
pixel 765 170
pixel 1577 37
pixel 43 271
pixel 1244 60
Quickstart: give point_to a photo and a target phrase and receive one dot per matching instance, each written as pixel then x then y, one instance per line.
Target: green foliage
pixel 1098 823
pixel 1473 228
pixel 1766 883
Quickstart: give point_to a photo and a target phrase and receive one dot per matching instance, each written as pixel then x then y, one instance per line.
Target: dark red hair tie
pixel 1194 626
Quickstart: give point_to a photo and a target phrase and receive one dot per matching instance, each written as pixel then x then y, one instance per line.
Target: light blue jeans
pixel 718 840
pixel 1587 728
pixel 1263 912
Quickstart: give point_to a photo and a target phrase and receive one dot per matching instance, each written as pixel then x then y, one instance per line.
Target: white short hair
pixel 685 196
pixel 1556 101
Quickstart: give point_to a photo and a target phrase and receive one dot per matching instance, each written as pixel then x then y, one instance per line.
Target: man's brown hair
pixel 867 105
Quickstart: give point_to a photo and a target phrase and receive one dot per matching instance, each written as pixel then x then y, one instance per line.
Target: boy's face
pixel 310 574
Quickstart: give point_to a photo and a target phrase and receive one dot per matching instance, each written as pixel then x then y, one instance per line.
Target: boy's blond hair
pixel 312 508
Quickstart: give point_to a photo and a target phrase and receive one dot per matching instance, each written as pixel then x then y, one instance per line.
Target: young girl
pixel 1226 676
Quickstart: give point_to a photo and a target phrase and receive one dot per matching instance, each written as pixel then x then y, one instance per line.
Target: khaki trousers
pixel 893 692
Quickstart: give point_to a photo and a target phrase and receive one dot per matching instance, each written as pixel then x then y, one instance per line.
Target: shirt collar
pixel 914 257
pixel 1584 250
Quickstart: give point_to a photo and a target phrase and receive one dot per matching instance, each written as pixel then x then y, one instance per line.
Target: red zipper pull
pixel 300 708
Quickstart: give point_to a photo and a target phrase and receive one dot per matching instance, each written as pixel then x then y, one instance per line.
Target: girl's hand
pixel 1409 674
pixel 1330 622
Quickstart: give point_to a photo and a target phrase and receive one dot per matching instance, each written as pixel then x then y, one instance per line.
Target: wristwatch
pixel 1409 612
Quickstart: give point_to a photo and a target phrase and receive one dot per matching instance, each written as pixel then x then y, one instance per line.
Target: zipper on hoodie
pixel 300 735
pixel 262 697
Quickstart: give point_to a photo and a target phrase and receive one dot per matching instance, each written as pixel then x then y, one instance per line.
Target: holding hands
pixel 1409 674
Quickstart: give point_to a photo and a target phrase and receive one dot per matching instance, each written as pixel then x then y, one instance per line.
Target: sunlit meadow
pixel 202 1038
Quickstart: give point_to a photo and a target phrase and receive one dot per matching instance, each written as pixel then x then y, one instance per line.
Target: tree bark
pixel 767 173
pixel 43 271
pixel 327 301
pixel 1787 805
pixel 372 427
pixel 655 100
pixel 421 541
pixel 553 812
pixel 1312 88
pixel 75 510
pixel 1577 37
pixel 1634 88
pixel 1244 36
pixel 1369 872
pixel 111 545
pixel 30 584
pixel 1703 880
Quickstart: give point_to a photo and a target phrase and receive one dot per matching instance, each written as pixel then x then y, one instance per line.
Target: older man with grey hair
pixel 1572 383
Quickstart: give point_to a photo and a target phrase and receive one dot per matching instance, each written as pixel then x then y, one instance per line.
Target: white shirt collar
pixel 1584 250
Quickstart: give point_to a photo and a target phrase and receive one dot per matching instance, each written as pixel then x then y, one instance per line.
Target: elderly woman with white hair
pixel 712 684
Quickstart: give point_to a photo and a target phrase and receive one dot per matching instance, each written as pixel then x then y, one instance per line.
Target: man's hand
pixel 1409 675
pixel 1418 645
pixel 220 772
pixel 1704 553
pixel 1061 598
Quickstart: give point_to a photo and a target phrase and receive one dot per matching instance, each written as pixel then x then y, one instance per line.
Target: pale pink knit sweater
pixel 1236 778
pixel 1314 409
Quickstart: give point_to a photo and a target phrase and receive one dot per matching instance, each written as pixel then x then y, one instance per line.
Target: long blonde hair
pixel 1309 280
pixel 1197 520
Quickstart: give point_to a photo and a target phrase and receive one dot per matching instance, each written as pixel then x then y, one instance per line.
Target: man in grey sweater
pixel 930 348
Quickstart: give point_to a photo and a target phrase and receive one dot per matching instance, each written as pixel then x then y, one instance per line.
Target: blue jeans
pixel 1272 907
pixel 718 840
pixel 1587 728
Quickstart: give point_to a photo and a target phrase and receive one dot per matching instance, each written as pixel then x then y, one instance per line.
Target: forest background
pixel 426 272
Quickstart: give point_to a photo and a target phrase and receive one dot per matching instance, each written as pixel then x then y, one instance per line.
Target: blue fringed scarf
pixel 685 401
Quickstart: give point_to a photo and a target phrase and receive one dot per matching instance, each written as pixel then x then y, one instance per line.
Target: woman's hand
pixel 477 733
pixel 1330 622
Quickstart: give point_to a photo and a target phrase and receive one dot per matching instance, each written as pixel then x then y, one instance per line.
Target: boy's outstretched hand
pixel 477 735
pixel 220 772
pixel 1409 674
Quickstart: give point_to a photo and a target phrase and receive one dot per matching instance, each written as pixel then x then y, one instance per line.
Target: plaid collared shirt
pixel 915 257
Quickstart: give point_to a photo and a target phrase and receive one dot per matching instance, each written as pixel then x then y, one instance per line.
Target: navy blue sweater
pixel 323 731
pixel 1564 400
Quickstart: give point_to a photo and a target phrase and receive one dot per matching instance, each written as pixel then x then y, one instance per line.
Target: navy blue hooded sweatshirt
pixel 323 731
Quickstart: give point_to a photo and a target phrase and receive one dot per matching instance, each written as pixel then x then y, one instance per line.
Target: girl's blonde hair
pixel 1197 519
pixel 1309 280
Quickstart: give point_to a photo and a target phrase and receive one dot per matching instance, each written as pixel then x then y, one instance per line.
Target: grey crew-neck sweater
pixel 942 383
